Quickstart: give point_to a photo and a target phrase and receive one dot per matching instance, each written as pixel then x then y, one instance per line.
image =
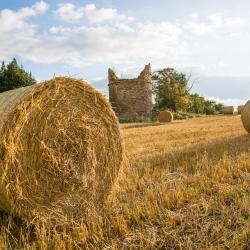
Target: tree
pixel 197 104
pixel 2 73
pixel 13 76
pixel 213 108
pixel 171 90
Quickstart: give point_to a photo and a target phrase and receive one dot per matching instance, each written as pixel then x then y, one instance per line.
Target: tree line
pixel 172 92
pixel 14 76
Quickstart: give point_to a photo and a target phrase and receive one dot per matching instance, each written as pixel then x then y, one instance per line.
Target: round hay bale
pixel 165 116
pixel 60 148
pixel 245 116
pixel 240 108
pixel 228 110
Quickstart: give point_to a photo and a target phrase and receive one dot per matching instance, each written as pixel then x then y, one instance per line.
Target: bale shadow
pixel 194 154
pixel 13 229
pixel 149 124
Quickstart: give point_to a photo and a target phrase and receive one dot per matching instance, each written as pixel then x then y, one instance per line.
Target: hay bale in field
pixel 165 116
pixel 228 110
pixel 60 149
pixel 245 116
pixel 240 108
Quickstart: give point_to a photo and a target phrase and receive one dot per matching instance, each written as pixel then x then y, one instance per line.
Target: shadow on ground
pixel 191 156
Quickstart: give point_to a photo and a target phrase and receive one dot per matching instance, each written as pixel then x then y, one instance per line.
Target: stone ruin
pixel 131 99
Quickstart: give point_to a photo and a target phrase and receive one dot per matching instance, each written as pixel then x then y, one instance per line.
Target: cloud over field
pixel 85 35
pixel 69 12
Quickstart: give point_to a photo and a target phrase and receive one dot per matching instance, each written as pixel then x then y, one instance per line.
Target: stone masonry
pixel 131 98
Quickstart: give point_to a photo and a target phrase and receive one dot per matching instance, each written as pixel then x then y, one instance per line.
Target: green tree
pixel 13 76
pixel 171 90
pixel 213 108
pixel 200 105
pixel 2 73
pixel 197 104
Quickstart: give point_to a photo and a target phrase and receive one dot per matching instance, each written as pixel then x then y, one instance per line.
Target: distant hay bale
pixel 245 116
pixel 60 148
pixel 240 108
pixel 165 116
pixel 228 110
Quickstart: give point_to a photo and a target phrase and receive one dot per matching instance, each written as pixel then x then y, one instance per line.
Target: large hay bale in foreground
pixel 240 109
pixel 228 110
pixel 245 116
pixel 165 116
pixel 60 148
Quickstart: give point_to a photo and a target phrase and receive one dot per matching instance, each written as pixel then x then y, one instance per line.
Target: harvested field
pixel 187 187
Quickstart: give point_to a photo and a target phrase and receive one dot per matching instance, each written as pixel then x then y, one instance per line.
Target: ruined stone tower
pixel 131 98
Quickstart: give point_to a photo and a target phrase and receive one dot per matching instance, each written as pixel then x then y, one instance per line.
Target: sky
pixel 209 40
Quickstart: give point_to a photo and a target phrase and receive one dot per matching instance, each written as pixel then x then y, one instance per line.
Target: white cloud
pixel 40 7
pixel 119 43
pixel 229 101
pixel 214 23
pixel 95 15
pixel 69 12
pixel 11 20
pixel 18 35
pixel 205 45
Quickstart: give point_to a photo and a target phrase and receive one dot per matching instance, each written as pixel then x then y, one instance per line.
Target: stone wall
pixel 131 98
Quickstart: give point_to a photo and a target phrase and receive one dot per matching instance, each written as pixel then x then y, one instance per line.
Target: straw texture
pixel 240 109
pixel 60 149
pixel 165 116
pixel 228 110
pixel 245 116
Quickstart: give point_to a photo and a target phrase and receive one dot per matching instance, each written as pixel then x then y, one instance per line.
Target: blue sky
pixel 208 39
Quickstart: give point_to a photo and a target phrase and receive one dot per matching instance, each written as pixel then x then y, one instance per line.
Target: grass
pixel 187 186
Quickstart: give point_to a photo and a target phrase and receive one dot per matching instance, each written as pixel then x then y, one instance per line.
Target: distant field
pixel 187 186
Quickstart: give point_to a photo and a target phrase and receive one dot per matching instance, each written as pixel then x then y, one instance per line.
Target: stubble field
pixel 186 185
